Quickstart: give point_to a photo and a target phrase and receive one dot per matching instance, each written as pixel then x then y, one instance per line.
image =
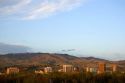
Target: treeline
pixel 63 78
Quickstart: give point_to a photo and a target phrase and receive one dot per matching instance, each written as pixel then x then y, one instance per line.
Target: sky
pixel 78 27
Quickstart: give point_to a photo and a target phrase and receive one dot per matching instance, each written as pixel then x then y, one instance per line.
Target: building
pixel 47 69
pixel 111 68
pixel 76 69
pixel 39 72
pixel 87 69
pixel 101 67
pixel 12 70
pixel 114 67
pixel 68 68
pixel 108 68
pixel 0 73
pixel 91 69
pixel 60 70
pixel 44 70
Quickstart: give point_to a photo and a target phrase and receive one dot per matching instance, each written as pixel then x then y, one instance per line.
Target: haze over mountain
pixel 7 48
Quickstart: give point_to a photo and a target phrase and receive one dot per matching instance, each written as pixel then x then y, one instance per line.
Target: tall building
pixel 67 68
pixel 47 69
pixel 114 67
pixel 87 69
pixel 12 70
pixel 101 67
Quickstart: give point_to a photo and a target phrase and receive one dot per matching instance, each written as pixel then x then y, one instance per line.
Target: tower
pixel 114 67
pixel 101 67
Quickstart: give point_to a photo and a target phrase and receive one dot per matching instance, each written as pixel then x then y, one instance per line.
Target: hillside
pixel 52 59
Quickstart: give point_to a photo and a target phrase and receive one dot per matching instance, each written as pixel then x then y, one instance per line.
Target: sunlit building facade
pixel 101 67
pixel 47 69
pixel 68 68
pixel 12 70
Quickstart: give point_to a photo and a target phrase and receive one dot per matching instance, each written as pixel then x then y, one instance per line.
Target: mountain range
pixel 26 59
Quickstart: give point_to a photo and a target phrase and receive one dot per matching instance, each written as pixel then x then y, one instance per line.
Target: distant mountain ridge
pixel 50 58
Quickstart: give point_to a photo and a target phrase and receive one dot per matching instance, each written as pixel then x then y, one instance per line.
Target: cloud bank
pixel 31 9
pixel 7 48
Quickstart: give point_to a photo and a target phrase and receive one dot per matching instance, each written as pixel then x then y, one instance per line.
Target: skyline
pixel 91 27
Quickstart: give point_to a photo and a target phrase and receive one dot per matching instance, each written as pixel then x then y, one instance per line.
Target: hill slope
pixel 53 59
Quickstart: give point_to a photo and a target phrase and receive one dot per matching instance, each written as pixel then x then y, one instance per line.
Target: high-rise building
pixel 114 67
pixel 101 67
pixel 67 68
pixel 12 70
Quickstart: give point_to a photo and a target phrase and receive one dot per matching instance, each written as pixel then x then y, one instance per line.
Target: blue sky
pixel 91 27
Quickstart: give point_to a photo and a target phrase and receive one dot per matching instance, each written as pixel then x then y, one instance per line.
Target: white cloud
pixel 47 8
pixel 42 9
pixel 13 6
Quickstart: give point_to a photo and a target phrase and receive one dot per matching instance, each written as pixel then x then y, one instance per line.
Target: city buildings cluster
pixel 99 68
